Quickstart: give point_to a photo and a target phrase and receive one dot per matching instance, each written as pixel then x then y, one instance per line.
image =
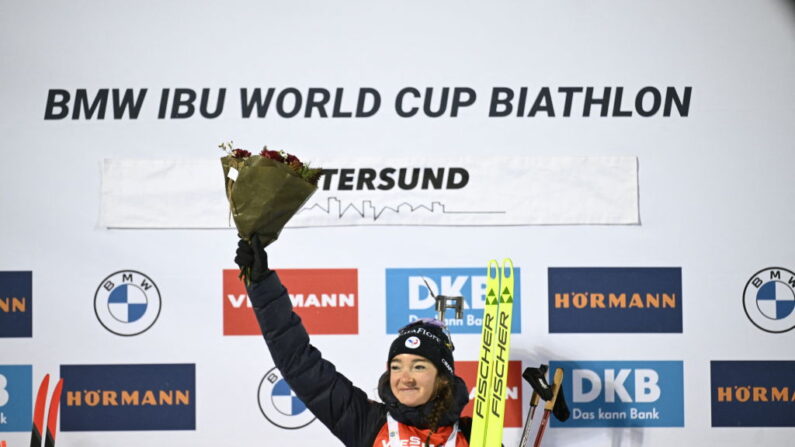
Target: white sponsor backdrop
pixel 714 186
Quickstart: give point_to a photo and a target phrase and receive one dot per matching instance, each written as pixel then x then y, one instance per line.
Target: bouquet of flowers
pixel 265 191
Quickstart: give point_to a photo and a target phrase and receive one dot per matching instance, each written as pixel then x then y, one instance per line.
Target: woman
pixel 422 397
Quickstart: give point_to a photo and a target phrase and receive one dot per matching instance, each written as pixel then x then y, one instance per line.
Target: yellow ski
pixel 481 408
pixel 495 343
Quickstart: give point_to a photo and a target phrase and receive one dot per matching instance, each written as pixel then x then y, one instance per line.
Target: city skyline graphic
pixel 366 210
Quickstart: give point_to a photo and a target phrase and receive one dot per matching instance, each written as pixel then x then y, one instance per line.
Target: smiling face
pixel 412 379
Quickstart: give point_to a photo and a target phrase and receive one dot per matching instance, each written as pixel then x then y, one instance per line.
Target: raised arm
pixel 337 403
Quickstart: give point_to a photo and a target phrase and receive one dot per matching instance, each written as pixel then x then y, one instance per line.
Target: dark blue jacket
pixel 331 397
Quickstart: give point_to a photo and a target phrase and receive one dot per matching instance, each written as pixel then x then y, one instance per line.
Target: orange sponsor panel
pixel 327 300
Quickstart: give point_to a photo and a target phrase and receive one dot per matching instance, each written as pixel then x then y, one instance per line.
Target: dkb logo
pixel 16 389
pixel 410 296
pixel 623 394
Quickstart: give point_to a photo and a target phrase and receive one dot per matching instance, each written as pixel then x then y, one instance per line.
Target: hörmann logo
pixel 16 391
pixel 409 299
pixel 769 299
pixel 128 397
pixel 16 304
pixel 623 394
pixel 633 299
pixel 753 393
pixel 468 370
pixel 325 299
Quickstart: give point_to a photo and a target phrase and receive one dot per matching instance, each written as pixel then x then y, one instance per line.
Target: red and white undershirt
pixel 395 434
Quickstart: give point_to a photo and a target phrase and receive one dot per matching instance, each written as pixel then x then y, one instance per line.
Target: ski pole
pixel 536 377
pixel 549 405
pixel 528 422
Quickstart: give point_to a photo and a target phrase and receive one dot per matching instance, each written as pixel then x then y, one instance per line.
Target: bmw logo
pixel 127 302
pixel 769 299
pixel 279 404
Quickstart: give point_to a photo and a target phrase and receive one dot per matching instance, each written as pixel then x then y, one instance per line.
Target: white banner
pixel 497 190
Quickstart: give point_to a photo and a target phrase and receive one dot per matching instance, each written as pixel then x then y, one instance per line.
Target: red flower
pixel 273 155
pixel 241 153
pixel 291 159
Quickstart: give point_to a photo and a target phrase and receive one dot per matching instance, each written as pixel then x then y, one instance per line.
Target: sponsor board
pixel 769 299
pixel 16 304
pixel 128 397
pixel 408 297
pixel 279 404
pixel 127 302
pixel 623 393
pixel 753 393
pixel 325 299
pixel 615 300
pixel 468 370
pixel 16 391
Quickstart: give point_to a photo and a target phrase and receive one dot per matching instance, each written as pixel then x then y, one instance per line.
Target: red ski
pixel 52 415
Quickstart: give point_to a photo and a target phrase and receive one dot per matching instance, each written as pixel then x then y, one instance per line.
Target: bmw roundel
pixel 279 404
pixel 127 302
pixel 769 299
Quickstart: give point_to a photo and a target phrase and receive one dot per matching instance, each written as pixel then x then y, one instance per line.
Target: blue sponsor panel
pixel 408 297
pixel 623 393
pixel 615 300
pixel 16 304
pixel 16 391
pixel 128 397
pixel 753 393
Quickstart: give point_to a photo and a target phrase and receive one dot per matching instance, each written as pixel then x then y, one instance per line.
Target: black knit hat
pixel 428 338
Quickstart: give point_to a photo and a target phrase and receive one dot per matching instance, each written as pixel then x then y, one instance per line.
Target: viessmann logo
pixel 614 300
pixel 753 393
pixel 408 297
pixel 16 304
pixel 128 397
pixel 326 300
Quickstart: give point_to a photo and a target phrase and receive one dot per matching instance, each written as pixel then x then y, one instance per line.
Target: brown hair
pixel 442 401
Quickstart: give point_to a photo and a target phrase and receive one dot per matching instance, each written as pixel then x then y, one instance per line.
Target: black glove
pixel 561 410
pixel 252 259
